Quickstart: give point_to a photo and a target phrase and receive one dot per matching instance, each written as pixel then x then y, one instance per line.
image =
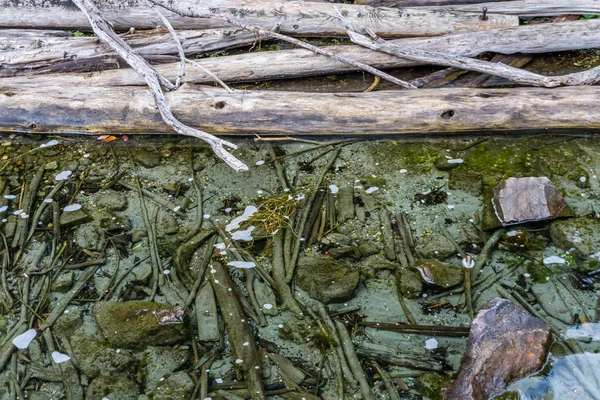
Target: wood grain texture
pixel 531 39
pixel 294 18
pixel 43 51
pixel 522 8
pixel 98 110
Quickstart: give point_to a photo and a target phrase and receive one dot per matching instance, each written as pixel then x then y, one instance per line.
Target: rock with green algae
pixel 68 323
pixel 95 358
pixel 436 246
pixel 435 273
pixel 326 279
pixel 581 234
pixel 160 360
pixel 177 385
pixel 146 158
pixel 431 386
pixel 111 200
pixel 135 324
pixel 410 283
pixel 113 388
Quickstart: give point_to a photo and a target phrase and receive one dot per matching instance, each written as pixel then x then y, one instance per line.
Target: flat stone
pixel 581 234
pixel 68 323
pixel 505 343
pixel 89 237
pixel 96 358
pixel 111 200
pixel 74 218
pixel 113 388
pixel 518 200
pixel 135 324
pixel 326 279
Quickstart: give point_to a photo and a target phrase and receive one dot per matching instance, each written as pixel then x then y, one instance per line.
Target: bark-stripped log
pixel 522 8
pixel 131 109
pixel 43 51
pixel 532 39
pixel 294 18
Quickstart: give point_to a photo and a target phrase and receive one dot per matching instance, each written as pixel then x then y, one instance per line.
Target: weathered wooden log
pixel 419 3
pixel 116 110
pixel 43 51
pixel 530 39
pixel 522 8
pixel 294 18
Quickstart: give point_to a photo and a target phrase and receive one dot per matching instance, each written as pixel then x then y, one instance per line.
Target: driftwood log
pixel 522 8
pixel 293 18
pixel 43 51
pixel 99 110
pixel 530 39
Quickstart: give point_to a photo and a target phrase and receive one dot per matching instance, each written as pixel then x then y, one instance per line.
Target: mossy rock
pixel 135 324
pixel 431 386
pixel 113 388
pixel 435 273
pixel 326 279
pixel 581 234
pixel 410 283
pixel 96 358
pixel 177 385
pixel 435 246
pixel 160 360
pixel 146 158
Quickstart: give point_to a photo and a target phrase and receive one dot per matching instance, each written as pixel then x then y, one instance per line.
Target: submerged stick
pixel 353 361
pixel 243 345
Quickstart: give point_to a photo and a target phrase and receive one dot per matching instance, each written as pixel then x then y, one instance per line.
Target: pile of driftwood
pixel 54 81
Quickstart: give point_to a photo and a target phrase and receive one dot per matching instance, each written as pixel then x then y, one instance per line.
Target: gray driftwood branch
pixel 154 81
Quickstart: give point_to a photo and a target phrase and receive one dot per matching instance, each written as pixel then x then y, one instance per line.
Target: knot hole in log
pixel 447 114
pixel 32 125
pixel 219 105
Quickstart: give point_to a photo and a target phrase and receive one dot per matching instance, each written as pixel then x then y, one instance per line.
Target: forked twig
pixel 188 11
pixel 154 81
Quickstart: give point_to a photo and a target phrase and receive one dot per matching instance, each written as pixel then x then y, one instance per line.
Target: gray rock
pixel 110 222
pixel 337 239
pixel 89 237
pixel 68 323
pixel 146 158
pixel 581 234
pixel 158 361
pixel 167 225
pixel 341 252
pixel 63 282
pixel 177 385
pixel 326 279
pixel 95 358
pixel 111 200
pixel 135 324
pixel 371 265
pixel 138 235
pixel 113 388
pixel 505 343
pixel 435 246
pixel 74 218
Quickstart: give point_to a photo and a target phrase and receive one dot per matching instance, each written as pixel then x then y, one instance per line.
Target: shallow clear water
pixel 89 224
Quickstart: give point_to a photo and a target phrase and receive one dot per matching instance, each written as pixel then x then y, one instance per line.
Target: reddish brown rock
pixel 505 343
pixel 519 200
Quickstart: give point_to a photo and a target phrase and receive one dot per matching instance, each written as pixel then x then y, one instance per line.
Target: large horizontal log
pixel 522 8
pixel 42 51
pixel 295 18
pixel 131 110
pixel 532 39
pixel 419 3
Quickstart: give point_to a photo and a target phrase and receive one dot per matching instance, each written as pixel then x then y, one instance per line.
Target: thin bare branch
pixel 189 12
pixel 516 75
pixel 177 41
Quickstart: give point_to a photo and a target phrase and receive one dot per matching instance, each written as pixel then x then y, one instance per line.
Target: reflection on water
pixel 571 377
pixel 148 268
